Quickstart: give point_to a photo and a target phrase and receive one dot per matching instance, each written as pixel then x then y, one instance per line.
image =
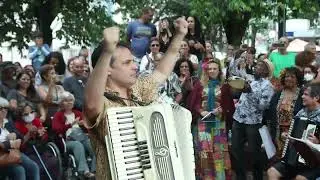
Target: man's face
pixel 285 42
pixel 78 67
pixel 123 72
pixel 307 100
pixel 148 16
pixel 261 69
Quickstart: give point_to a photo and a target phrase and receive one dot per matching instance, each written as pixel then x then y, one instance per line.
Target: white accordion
pixel 150 142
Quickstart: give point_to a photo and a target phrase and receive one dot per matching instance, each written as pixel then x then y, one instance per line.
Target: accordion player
pixel 151 142
pixel 297 129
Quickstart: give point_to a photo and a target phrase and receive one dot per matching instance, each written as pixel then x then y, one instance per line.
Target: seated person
pixel 34 138
pixel 9 139
pixel 69 124
pixel 311 101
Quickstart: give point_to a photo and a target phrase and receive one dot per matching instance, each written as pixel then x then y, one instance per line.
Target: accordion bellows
pixel 150 142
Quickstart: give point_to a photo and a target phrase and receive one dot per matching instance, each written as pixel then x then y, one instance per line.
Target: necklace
pixel 292 105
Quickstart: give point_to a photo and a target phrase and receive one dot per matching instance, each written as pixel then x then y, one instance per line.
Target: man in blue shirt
pixel 139 33
pixel 38 52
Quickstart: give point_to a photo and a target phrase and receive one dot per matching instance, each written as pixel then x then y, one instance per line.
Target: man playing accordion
pixel 114 83
pixel 311 101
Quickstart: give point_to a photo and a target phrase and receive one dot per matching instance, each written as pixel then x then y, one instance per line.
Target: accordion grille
pixel 160 146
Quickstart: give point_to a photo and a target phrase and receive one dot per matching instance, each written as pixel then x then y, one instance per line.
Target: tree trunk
pixel 235 26
pixel 45 16
pixel 253 36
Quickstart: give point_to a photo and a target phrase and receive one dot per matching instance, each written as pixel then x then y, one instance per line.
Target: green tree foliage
pixel 83 20
pixel 231 17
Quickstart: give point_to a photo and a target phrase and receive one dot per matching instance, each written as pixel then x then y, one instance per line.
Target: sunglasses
pixel 3 108
pixel 155 45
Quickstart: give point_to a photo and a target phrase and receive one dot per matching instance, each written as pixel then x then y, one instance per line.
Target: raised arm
pixel 95 87
pixel 169 60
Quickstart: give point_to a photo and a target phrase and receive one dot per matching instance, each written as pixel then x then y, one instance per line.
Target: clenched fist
pixel 111 38
pixel 181 26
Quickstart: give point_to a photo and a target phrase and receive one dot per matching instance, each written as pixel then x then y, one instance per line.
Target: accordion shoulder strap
pixel 115 98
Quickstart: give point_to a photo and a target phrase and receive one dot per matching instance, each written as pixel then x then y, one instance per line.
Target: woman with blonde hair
pixel 212 143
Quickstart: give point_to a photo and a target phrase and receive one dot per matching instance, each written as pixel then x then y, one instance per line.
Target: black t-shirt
pixel 196 39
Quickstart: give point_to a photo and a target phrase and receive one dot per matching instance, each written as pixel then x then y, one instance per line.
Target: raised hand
pixel 111 38
pixel 12 136
pixel 15 144
pixel 181 26
pixel 41 131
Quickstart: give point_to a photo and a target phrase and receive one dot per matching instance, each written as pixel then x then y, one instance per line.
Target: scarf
pixel 211 94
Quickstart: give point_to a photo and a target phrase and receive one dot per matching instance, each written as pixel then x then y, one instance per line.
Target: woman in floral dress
pixel 212 161
pixel 284 105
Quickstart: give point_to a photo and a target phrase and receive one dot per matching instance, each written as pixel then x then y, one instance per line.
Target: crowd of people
pixel 47 99
pixel 40 103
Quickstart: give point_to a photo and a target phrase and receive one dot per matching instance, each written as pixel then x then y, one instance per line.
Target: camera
pixel 278 44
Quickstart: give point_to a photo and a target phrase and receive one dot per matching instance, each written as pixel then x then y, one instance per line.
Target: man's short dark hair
pixel 38 34
pixel 146 10
pixel 97 52
pixel 314 90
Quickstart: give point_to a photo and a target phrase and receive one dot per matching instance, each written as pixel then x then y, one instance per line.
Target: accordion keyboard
pixel 130 155
pixel 151 143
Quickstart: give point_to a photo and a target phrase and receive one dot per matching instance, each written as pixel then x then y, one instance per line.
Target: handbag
pixel 10 158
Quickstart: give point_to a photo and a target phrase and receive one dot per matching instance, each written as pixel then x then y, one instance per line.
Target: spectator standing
pixel 253 101
pixel 38 52
pixel 84 52
pixel 139 33
pixel 281 59
pixel 195 37
pixel 75 83
pixel 164 34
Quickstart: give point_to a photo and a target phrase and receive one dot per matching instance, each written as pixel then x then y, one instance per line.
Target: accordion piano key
pixel 142 143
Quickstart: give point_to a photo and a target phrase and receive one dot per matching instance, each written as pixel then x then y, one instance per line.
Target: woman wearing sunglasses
pixel 147 62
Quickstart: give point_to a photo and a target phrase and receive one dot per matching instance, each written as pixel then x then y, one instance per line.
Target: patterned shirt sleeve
pixel 146 88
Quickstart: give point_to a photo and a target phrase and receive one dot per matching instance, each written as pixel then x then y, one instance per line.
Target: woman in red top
pixel 34 138
pixel 69 124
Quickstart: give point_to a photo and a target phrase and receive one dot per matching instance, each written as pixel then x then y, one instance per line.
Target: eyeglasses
pixel 155 45
pixel 3 108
